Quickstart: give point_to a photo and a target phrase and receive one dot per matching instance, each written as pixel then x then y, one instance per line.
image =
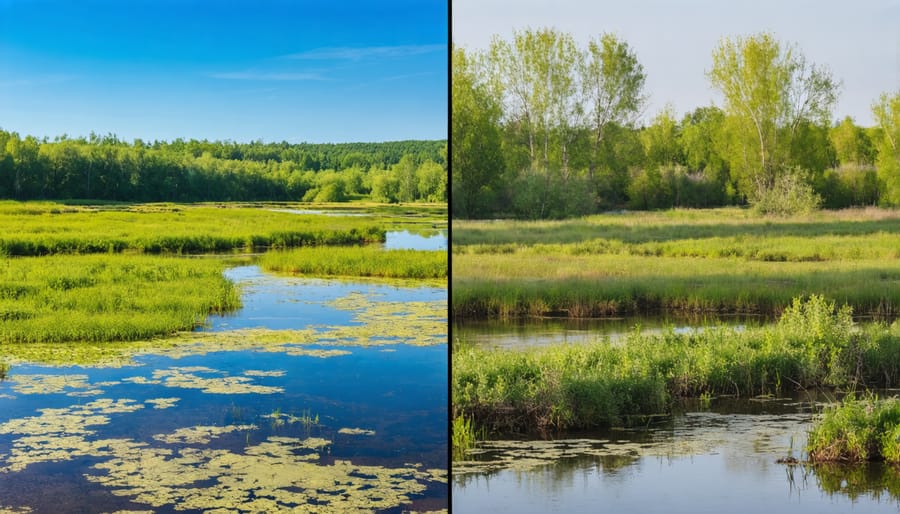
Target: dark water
pixel 538 332
pixel 363 427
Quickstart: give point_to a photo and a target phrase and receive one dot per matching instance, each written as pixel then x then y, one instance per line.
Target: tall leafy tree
pixel 887 115
pixel 613 86
pixel 476 159
pixel 770 91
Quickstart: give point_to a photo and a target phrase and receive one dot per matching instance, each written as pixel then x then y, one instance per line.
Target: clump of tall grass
pixel 108 297
pixel 858 429
pixel 358 261
pixel 568 386
pixel 463 436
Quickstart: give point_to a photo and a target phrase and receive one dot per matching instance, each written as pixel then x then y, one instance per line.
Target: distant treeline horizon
pixel 108 168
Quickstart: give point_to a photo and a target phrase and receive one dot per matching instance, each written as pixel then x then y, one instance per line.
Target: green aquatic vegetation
pixel 200 434
pixel 263 373
pixel 168 228
pixel 856 430
pixel 277 474
pixel 604 383
pixel 162 403
pixel 463 437
pixel 356 431
pixel 47 384
pixel 357 261
pixel 189 378
pixel 91 298
pixel 375 323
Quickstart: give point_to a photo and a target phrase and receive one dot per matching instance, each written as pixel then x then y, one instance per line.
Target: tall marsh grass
pixel 33 229
pixel 723 260
pixel 857 430
pixel 108 297
pixel 600 384
pixel 358 261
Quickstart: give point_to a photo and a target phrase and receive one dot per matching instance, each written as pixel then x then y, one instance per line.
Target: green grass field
pixel 43 228
pixel 721 260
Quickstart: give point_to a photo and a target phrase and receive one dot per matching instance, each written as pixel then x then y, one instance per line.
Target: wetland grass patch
pixel 96 298
pixel 857 430
pixel 603 383
pixel 357 261
pixel 31 229
pixel 723 261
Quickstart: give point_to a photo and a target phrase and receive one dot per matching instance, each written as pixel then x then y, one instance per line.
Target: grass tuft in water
pixel 856 430
pixel 603 383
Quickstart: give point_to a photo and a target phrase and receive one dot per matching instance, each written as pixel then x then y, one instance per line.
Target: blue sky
pixel 858 40
pixel 225 69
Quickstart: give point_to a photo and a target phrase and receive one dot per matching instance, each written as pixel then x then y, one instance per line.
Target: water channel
pixel 318 394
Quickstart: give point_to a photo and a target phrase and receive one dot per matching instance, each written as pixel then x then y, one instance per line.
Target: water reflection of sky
pixel 704 462
pixel 398 392
pixel 406 240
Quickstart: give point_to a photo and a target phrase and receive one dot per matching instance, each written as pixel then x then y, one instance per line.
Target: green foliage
pixel 857 430
pixel 463 437
pixel 788 195
pixel 887 115
pixel 476 155
pixel 108 297
pixel 105 168
pixel 358 261
pixel 603 383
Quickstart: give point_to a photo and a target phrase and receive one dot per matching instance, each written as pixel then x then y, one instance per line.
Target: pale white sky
pixel 858 40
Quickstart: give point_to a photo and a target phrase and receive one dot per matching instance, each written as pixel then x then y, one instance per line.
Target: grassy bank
pixel 857 430
pixel 43 228
pixel 723 260
pixel 108 297
pixel 357 261
pixel 602 384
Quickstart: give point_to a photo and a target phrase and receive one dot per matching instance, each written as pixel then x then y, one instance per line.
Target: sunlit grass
pixel 723 260
pixel 358 261
pixel 603 383
pixel 28 229
pixel 108 297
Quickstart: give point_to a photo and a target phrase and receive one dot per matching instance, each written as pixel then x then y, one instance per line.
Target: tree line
pixel 106 168
pixel 543 128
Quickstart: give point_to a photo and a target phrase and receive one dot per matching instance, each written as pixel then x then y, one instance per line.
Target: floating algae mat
pixel 291 404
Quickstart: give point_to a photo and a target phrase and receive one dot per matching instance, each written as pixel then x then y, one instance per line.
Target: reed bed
pixel 44 228
pixel 357 261
pixel 602 384
pixel 96 298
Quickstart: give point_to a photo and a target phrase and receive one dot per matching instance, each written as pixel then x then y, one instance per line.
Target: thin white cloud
pixel 258 76
pixel 358 53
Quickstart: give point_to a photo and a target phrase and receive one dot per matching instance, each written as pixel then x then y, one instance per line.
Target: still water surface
pixel 320 394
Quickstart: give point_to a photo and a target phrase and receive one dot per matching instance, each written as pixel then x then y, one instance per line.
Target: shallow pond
pixel 721 459
pixel 321 394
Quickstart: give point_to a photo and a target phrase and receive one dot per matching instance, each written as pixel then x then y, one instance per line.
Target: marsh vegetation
pixel 143 372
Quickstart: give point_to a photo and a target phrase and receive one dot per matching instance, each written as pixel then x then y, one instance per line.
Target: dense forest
pixel 543 128
pixel 106 168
